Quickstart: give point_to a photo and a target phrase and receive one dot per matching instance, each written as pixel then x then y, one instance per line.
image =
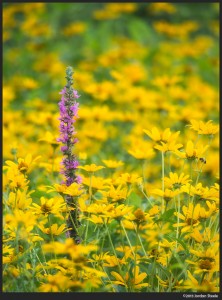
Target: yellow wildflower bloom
pixel 74 28
pixel 191 152
pixel 53 206
pixel 130 282
pixel 207 285
pixel 167 194
pixel 204 128
pixel 73 190
pixel 169 146
pixel 116 194
pixel 91 168
pixel 190 217
pixel 141 153
pixel 50 139
pixel 112 164
pixel 165 136
pixel 54 229
pixel 176 182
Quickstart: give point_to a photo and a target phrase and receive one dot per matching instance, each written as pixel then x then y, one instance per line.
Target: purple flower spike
pixel 68 108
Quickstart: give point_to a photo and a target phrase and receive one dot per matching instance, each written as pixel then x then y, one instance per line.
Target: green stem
pixel 178 221
pixel 135 263
pixel 128 240
pixel 52 237
pixel 141 243
pixel 162 180
pixel 90 200
pixel 114 251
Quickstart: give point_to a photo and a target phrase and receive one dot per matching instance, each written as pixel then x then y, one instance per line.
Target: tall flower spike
pixel 68 107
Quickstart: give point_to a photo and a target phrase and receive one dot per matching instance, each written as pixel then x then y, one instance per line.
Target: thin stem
pixel 141 243
pixel 114 251
pixel 128 240
pixel 52 237
pixel 90 199
pixel 135 255
pixel 178 221
pixel 162 180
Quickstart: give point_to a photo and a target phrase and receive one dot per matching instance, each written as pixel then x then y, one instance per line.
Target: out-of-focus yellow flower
pixel 50 139
pixel 24 164
pixel 192 152
pixel 97 183
pixel 73 190
pixel 156 8
pixel 21 219
pixel 204 128
pixel 173 30
pixel 112 164
pixel 126 178
pixel 56 283
pixel 91 168
pixel 167 194
pixel 74 28
pixel 54 229
pixel 116 194
pixel 207 285
pixel 19 200
pixel 164 136
pixel 127 281
pixel 113 10
pixel 168 146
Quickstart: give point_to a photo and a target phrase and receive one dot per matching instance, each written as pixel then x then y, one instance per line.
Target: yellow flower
pixel 73 190
pixel 190 217
pixel 95 219
pixel 176 182
pixel 97 183
pixel 116 194
pixel 56 283
pixel 60 188
pixel 69 247
pixel 74 28
pixel 201 193
pixel 24 164
pixel 54 229
pixel 165 136
pixel 50 139
pixel 207 285
pixel 129 179
pixel 162 7
pixel 54 206
pixel 141 153
pixel 166 194
pixel 91 168
pixel 20 199
pixel 117 212
pixel 166 283
pixel 204 238
pixel 19 219
pixel 112 164
pixel 169 146
pixel 192 153
pixel 204 128
pixel 128 281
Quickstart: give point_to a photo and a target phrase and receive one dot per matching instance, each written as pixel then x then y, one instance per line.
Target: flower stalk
pixel 68 107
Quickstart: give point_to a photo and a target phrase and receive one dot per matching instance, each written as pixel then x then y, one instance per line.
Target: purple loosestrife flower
pixel 68 107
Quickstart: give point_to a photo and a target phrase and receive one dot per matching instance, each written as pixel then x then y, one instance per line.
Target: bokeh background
pixel 137 65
